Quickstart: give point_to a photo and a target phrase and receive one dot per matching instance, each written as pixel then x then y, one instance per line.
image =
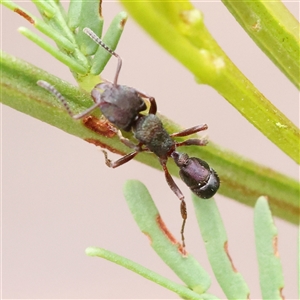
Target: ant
pixel 122 106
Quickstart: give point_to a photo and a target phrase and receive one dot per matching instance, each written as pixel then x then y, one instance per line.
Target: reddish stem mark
pixel 281 295
pixel 273 202
pixel 275 248
pixel 102 145
pixel 148 236
pixel 229 257
pixel 24 15
pixel 100 126
pixel 123 22
pixel 100 8
pixel 169 235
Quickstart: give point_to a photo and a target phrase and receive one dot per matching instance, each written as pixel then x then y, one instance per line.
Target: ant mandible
pixel 122 105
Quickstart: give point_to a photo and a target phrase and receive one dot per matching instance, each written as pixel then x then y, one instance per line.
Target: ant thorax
pixel 150 131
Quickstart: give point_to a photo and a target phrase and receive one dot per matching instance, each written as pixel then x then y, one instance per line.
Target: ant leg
pixel 190 131
pixel 179 195
pixel 153 106
pixel 50 88
pixel 192 142
pixel 126 158
pixel 127 142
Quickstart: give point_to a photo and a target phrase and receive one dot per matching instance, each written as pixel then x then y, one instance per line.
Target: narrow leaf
pixel 74 14
pixel 182 291
pixel 90 16
pixel 270 269
pixel 65 59
pixel 111 39
pixel 216 243
pixel 162 241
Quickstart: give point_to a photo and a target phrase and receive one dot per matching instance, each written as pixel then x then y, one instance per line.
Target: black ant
pixel 122 105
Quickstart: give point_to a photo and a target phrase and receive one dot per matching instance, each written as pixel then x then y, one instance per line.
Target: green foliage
pixel 183 33
pixel 214 235
pixel 274 29
pixel 270 270
pixel 242 179
pixel 180 29
pixel 75 49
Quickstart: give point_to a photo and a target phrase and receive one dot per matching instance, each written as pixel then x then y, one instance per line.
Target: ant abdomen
pixel 197 175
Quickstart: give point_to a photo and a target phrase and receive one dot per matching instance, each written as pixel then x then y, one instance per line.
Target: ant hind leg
pixel 179 195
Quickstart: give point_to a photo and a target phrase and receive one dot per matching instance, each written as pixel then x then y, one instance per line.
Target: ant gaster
pixel 122 105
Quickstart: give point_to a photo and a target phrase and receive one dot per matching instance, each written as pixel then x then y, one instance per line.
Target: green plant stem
pixel 180 29
pixel 241 179
pixel 274 29
pixel 299 262
pixel 181 290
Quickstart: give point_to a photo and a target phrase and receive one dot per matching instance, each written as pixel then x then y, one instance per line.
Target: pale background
pixel 51 205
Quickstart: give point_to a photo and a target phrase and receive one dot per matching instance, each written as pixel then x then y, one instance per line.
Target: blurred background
pixel 58 197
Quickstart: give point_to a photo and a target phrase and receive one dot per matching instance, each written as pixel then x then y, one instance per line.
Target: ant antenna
pixel 97 40
pixel 50 88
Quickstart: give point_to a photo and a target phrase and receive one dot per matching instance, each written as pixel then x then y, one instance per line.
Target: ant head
pixel 120 104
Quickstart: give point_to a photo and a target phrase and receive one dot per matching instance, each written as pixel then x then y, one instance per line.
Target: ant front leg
pixel 126 158
pixel 153 106
pixel 127 142
pixel 179 195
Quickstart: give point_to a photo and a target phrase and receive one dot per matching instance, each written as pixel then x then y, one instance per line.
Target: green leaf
pixel 165 245
pixel 270 269
pixel 90 16
pixel 111 39
pixel 181 290
pixel 65 59
pixel 74 13
pixel 189 41
pixel 216 244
